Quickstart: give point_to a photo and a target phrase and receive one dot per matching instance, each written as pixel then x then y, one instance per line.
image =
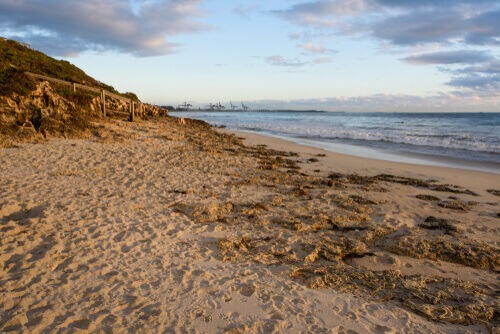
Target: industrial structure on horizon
pixel 210 107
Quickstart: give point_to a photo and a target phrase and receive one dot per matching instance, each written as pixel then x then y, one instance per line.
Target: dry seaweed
pixel 456 205
pixel 427 197
pixel 266 250
pixel 331 238
pixel 371 180
pixel 336 227
pixel 292 223
pixel 437 298
pixel 429 184
pixel 494 192
pixel 207 212
pixel 352 178
pixel 352 204
pixel 335 251
pixel 447 248
pixel 433 223
pixel 361 200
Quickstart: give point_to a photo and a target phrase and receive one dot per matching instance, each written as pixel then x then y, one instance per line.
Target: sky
pixel 351 55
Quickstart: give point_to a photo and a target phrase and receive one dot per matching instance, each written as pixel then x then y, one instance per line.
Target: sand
pixel 158 226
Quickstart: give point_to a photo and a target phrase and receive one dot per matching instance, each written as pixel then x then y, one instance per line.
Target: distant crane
pixel 218 106
pixel 233 107
pixel 185 106
pixel 245 108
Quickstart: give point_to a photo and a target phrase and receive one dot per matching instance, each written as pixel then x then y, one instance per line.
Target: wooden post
pixel 132 111
pixel 103 98
pixel 74 87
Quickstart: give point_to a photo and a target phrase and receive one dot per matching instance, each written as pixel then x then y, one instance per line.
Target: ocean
pixel 463 140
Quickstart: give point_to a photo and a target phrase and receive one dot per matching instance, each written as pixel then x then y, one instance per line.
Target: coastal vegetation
pixel 34 109
pixel 25 59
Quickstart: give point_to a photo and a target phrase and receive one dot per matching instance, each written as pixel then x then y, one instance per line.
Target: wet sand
pixel 160 226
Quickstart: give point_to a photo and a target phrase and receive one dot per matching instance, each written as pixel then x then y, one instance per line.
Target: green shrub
pixel 14 54
pixel 82 98
pixel 131 96
pixel 13 80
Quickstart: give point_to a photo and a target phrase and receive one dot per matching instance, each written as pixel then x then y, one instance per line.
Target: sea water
pixel 464 140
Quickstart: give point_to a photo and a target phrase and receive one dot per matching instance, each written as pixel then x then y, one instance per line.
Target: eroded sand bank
pixel 159 226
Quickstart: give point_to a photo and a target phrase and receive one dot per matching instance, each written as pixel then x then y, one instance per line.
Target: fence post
pixel 132 111
pixel 103 98
pixel 74 87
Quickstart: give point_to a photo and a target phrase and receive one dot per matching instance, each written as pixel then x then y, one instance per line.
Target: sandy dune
pixel 162 227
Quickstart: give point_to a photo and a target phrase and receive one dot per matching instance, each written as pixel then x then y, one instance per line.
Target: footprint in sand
pixel 246 290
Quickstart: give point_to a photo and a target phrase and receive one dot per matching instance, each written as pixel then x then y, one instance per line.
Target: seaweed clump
pixel 425 184
pixel 433 223
pixel 437 298
pixel 447 248
pixel 265 250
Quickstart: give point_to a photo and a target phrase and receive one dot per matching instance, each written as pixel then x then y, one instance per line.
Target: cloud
pixel 477 81
pixel 464 100
pixel 427 3
pixel 490 67
pixel 460 29
pixel 141 28
pixel 419 27
pixel 481 77
pixel 449 57
pixel 281 61
pixel 404 22
pixel 485 29
pixel 440 25
pixel 318 49
pixel 323 13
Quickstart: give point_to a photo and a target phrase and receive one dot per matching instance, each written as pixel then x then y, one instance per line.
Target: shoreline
pixel 407 143
pixel 170 226
pixel 380 154
pixel 345 163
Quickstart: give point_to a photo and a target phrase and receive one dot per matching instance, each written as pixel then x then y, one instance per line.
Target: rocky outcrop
pixel 45 113
pixel 143 110
pixel 149 110
pixel 42 97
pixel 42 113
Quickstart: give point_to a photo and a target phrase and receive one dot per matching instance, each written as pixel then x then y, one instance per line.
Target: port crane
pixel 244 107
pixel 217 106
pixel 184 106
pixel 233 107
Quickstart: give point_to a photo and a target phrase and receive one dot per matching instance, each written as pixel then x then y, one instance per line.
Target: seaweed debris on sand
pixel 163 225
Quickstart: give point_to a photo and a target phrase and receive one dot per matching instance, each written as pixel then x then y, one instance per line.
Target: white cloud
pixel 459 29
pixel 141 28
pixel 324 13
pixel 309 46
pixel 464 100
pixel 281 61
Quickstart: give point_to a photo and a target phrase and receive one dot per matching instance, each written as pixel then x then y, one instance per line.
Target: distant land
pixel 171 108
